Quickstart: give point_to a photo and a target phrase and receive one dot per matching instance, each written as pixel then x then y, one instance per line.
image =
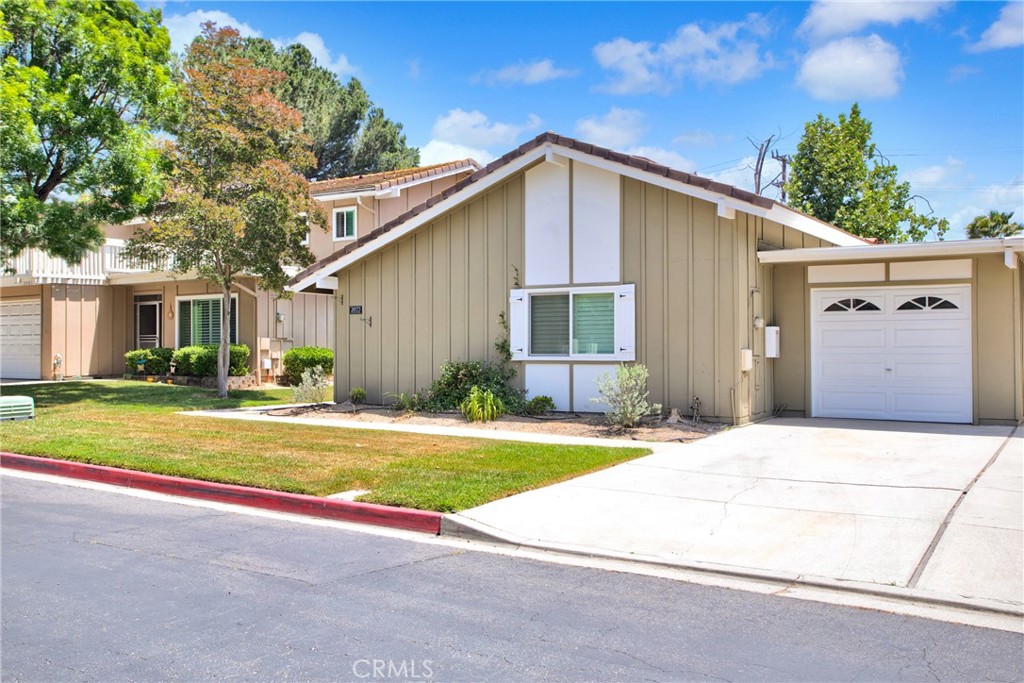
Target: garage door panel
pixel 913 363
pixel 844 336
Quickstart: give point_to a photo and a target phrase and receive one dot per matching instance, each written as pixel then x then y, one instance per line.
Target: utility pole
pixel 780 180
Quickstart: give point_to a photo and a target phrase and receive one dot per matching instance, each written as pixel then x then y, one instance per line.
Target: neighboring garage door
pixel 892 353
pixel 19 339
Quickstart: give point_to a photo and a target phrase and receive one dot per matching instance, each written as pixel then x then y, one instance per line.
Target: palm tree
pixel 995 224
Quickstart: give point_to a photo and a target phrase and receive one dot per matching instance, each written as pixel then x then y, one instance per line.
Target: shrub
pixel 626 396
pixel 481 405
pixel 538 405
pixel 158 361
pixel 411 403
pixel 312 386
pixel 302 358
pixel 457 379
pixel 201 361
pixel 357 395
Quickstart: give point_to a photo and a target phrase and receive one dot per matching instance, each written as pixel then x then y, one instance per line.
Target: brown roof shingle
pixel 387 179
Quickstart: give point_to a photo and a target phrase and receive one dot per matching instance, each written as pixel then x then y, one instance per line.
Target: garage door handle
pixel 888 369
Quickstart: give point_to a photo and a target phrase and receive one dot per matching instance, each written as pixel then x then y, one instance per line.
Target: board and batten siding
pixel 998 332
pixel 434 295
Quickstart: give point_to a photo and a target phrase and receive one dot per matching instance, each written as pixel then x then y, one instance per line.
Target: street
pixel 99 586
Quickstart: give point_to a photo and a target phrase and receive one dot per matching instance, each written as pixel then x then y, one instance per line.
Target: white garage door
pixel 19 339
pixel 892 353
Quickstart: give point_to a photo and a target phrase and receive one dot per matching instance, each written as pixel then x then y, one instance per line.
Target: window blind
pixel 593 323
pixel 199 322
pixel 549 325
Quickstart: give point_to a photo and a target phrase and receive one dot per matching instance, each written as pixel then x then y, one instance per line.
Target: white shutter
pixel 517 324
pixel 625 322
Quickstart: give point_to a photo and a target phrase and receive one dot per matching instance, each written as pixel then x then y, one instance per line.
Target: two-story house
pixel 87 315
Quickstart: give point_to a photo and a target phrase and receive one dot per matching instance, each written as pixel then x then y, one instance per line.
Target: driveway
pixel 839 499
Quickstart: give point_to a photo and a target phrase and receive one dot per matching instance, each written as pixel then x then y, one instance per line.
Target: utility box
pixel 772 342
pixel 17 408
pixel 746 360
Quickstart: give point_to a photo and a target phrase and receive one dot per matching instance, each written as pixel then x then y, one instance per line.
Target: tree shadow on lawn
pixel 142 395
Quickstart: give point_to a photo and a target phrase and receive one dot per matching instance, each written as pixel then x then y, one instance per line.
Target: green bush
pixel 357 395
pixel 158 361
pixel 626 396
pixel 201 361
pixel 312 388
pixel 410 403
pixel 302 358
pixel 458 378
pixel 538 405
pixel 482 406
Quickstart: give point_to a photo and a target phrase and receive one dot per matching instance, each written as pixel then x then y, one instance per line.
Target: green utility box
pixel 17 408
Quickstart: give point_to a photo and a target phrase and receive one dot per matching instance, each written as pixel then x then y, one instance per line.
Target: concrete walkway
pixel 875 503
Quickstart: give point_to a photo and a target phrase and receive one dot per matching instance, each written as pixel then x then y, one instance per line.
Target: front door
pixel 147 321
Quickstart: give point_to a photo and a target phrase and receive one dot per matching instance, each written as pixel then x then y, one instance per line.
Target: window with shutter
pixel 199 320
pixel 589 323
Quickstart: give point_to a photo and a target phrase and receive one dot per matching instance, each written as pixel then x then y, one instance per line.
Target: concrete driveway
pixel 874 502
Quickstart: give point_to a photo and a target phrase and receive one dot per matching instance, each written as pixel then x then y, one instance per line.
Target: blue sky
pixel 683 83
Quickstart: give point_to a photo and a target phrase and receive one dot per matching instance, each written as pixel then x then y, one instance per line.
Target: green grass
pixel 134 425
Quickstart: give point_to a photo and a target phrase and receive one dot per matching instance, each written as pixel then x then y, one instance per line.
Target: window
pixel 345 224
pixel 148 311
pixel 589 323
pixel 199 320
pixel 847 305
pixel 923 303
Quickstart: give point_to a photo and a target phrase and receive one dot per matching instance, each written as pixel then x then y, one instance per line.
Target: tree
pixel 839 176
pixel 995 224
pixel 236 201
pixel 350 136
pixel 83 86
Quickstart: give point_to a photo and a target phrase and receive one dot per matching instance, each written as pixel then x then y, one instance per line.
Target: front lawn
pixel 134 425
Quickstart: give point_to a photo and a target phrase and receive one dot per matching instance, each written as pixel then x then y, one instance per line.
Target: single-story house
pixel 596 258
pixel 90 313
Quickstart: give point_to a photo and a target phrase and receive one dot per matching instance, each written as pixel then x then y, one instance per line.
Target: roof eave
pixel 812 255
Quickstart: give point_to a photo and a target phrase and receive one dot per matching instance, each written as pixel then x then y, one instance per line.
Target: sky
pixel 687 84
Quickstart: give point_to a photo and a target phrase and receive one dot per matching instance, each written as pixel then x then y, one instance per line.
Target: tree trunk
pixel 224 353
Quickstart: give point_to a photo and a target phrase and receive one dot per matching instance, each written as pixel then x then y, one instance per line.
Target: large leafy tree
pixel 350 136
pixel 237 202
pixel 839 176
pixel 83 86
pixel 995 224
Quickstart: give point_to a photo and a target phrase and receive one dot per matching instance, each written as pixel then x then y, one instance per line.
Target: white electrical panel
pixel 772 342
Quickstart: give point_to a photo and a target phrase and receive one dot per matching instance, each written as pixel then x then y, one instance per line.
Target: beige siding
pixel 695 275
pixel 434 295
pixel 85 325
pixel 308 319
pixel 998 334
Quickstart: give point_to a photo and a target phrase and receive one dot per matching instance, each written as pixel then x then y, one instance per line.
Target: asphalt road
pixel 99 586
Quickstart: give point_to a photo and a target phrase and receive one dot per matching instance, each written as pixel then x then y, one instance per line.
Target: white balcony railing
pixel 33 266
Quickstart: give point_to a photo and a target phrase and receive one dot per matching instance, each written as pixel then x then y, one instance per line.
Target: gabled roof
pixel 377 182
pixel 726 196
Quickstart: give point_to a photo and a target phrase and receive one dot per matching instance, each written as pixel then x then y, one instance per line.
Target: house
pixel 89 314
pixel 596 258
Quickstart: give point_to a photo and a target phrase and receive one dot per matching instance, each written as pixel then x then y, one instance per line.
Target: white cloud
pixel 460 134
pixel 314 42
pixel 724 53
pixel 617 129
pixel 827 18
pixel 665 157
pixel 1007 31
pixel 474 129
pixel 184 27
pixel 525 73
pixel 439 151
pixel 961 72
pixel 852 68
pixel 696 138
pixel 934 175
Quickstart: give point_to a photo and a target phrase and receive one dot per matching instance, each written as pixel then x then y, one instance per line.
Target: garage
pixel 892 353
pixel 20 339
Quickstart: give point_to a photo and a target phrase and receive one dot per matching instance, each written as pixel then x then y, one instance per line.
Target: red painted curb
pixel 364 513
